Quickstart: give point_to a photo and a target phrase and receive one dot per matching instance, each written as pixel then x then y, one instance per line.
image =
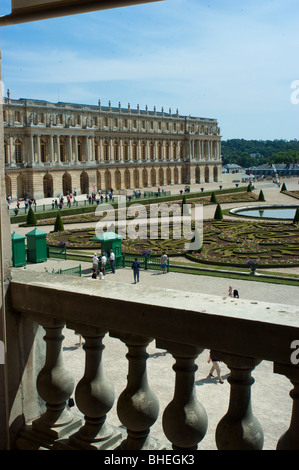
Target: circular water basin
pixel 266 212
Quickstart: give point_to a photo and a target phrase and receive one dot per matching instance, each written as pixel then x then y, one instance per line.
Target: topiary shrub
pixel 283 188
pixel 249 188
pixel 184 202
pixel 31 219
pixel 218 213
pixel 213 199
pixel 58 227
pixel 261 196
pixel 296 216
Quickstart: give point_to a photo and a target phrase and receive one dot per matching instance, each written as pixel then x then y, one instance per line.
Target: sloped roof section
pixel 24 11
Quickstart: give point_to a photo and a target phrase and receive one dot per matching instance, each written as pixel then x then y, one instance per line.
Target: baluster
pixel 290 439
pixel 55 385
pixel 239 429
pixel 138 406
pixel 94 397
pixel 185 420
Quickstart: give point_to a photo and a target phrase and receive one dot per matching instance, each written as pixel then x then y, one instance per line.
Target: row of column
pixel 185 420
pixel 72 149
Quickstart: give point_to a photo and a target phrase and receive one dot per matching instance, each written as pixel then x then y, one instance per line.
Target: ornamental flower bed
pixel 225 243
pixel 233 243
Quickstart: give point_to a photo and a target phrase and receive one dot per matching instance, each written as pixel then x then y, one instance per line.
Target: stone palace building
pixel 52 149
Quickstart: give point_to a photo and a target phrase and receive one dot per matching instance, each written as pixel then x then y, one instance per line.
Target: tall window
pixel 181 151
pixel 126 151
pixel 43 155
pixel 167 151
pixel 62 151
pixel 116 151
pixel 17 116
pixel 143 151
pixel 106 151
pixel 5 153
pixel 152 154
pixel 174 151
pixel 96 152
pixel 159 151
pixel 80 157
pixel 18 151
pixel 135 153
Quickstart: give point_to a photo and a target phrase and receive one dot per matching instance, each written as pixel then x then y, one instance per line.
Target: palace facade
pixel 52 149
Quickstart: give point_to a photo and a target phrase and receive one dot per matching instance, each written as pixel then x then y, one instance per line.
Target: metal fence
pixel 82 203
pixel 56 252
pixel 76 271
pixel 146 262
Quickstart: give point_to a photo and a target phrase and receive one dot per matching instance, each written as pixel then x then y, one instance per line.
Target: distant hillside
pixel 248 153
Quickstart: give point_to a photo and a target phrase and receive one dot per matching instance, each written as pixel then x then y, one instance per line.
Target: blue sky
pixel 233 60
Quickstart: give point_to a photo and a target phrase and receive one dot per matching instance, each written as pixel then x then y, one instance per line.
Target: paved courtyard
pixel 270 393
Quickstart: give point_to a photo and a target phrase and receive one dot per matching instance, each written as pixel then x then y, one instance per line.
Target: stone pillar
pixel 11 154
pixel 121 151
pixel 54 385
pixel 69 148
pixel 92 151
pixel 31 151
pixel 289 440
pixel 38 149
pixel 185 420
pixel 51 147
pixel 87 151
pixel 76 149
pixel 94 397
pixel 137 406
pixel 58 148
pixel 239 429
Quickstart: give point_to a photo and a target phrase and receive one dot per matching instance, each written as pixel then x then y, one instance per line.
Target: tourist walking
pixel 95 262
pixel 163 261
pixel 136 267
pixel 103 263
pixel 112 261
pixel 215 366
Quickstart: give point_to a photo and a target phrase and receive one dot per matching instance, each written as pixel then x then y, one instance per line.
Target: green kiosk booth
pixel 111 241
pixel 36 246
pixel 18 250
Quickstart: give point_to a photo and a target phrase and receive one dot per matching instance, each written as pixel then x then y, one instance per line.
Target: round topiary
pixel 31 219
pixel 218 213
pixel 58 227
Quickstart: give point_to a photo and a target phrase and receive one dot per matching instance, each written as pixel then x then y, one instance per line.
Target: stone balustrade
pixel 241 333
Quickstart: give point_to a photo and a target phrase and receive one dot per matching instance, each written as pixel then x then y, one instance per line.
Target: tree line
pixel 247 153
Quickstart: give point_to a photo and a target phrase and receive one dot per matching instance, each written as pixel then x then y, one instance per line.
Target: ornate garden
pixel 225 242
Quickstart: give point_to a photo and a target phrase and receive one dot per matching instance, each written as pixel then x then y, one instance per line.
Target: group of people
pixel 28 202
pixel 136 265
pixel 99 264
